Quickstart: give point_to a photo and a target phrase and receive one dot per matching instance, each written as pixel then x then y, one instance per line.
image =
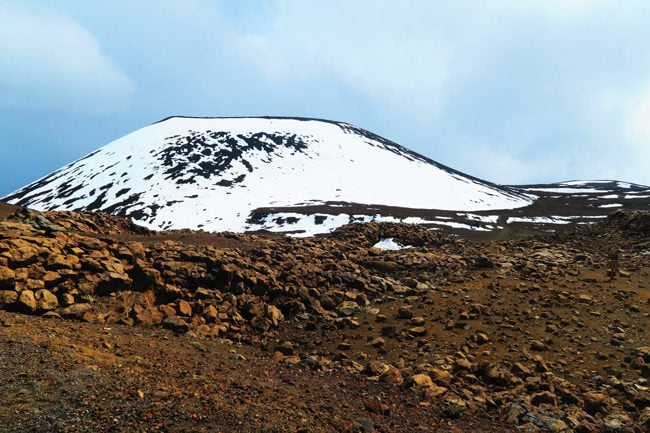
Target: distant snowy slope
pixel 211 173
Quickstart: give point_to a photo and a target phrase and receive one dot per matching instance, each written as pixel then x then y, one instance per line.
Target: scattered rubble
pixel 530 329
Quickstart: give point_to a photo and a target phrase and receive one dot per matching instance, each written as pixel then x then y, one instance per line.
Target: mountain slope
pixel 212 173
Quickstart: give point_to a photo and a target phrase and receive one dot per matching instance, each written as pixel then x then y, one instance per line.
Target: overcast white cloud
pixel 545 85
pixel 386 50
pixel 50 61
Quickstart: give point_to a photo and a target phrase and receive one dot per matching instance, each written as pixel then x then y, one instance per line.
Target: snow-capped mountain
pixel 213 173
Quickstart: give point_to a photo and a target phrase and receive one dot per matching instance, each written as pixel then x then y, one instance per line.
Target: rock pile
pixel 466 325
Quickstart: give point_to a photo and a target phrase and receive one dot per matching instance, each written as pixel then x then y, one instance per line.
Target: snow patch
pixel 388 244
pixel 212 173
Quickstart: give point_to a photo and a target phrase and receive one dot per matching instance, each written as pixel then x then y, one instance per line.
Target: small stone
pixel 274 314
pixel 393 375
pixel 554 425
pixel 75 310
pixel 616 421
pixel 285 348
pixel 462 364
pixel 481 338
pixel 418 331
pixel 348 308
pixel 435 391
pixel 421 380
pixel 376 368
pixel 537 345
pixel 418 321
pixel 439 376
pixel 378 407
pixel 405 312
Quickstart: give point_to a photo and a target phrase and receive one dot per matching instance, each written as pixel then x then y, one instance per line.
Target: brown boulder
pixel 393 375
pixel 348 308
pixel 176 324
pixel 46 300
pixel 543 397
pixel 7 277
pixel 58 261
pixel 51 279
pixel 184 308
pixel 7 297
pixel 274 314
pixel 75 310
pixel 594 401
pixel 421 381
pixel 405 312
pixel 146 277
pixel 67 299
pixel 168 309
pixel 418 331
pixel 148 316
pixel 439 376
pixel 27 301
pixel 435 391
pixel 377 368
pixel 22 253
pixel 210 314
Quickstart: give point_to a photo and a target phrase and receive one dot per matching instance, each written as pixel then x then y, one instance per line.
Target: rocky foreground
pixel 191 331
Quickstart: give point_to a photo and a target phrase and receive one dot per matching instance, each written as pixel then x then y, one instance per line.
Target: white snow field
pixel 210 173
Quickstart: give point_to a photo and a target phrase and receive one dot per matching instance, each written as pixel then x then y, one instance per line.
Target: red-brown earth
pixel 109 327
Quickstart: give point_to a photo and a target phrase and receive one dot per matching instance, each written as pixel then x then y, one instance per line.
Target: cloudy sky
pixel 512 91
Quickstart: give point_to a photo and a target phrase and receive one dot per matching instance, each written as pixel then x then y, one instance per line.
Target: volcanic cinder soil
pixel 109 327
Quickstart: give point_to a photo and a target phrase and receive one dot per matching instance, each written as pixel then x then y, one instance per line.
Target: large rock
pixel 148 316
pixel 594 401
pixel 57 262
pixel 23 253
pixel 46 300
pixel 274 314
pixel 27 301
pixel 145 277
pixel 7 297
pixel 184 308
pixel 7 277
pixel 75 311
pixel 176 324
